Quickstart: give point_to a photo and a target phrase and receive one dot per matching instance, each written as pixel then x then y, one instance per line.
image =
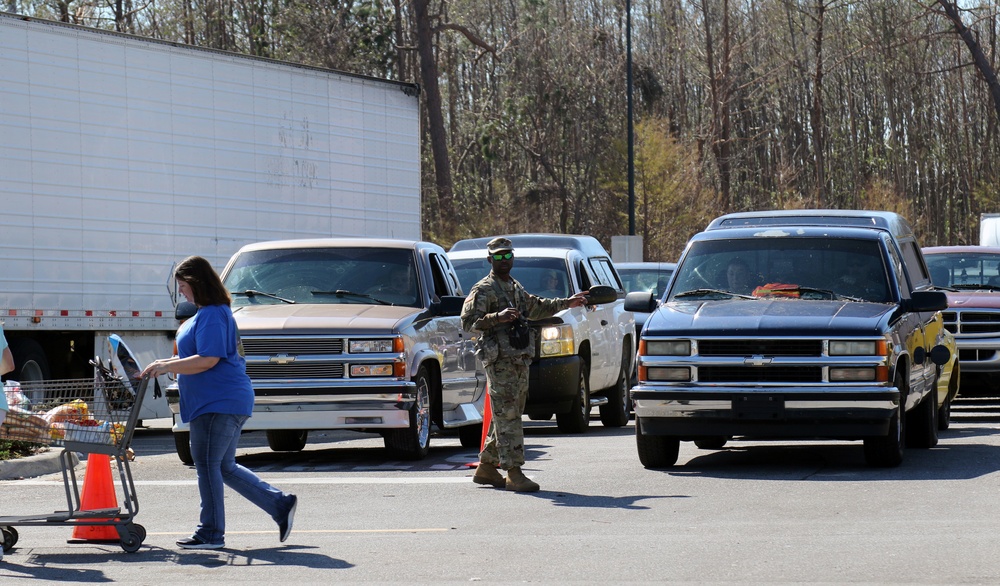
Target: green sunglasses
pixel 504 256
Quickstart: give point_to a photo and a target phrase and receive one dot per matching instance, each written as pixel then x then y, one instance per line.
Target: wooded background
pixel 739 104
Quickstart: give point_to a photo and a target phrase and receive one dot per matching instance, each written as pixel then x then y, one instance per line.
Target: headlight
pixel 557 341
pixel 363 370
pixel 850 374
pixel 866 373
pixel 858 348
pixel 668 373
pixel 665 347
pixel 379 346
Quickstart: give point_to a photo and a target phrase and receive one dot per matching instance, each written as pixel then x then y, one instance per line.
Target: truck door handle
pixel 604 322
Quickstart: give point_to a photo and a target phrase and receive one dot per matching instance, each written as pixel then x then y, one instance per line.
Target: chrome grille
pixel 295 370
pixel 293 346
pixel 760 347
pixel 770 374
pixel 971 323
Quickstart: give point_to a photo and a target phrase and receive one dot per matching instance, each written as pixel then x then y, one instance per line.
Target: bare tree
pixel 979 57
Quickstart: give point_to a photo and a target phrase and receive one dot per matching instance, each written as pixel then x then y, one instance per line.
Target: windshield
pixel 645 279
pixel 373 276
pixel 806 268
pixel 544 277
pixel 965 270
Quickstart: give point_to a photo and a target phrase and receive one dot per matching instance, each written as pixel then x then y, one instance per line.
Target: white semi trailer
pixel 120 156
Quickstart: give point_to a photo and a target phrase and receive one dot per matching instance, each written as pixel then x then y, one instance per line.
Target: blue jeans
pixel 214 437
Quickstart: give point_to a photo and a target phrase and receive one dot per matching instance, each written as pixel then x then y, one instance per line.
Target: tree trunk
pixel 435 118
pixel 817 111
pixel 980 58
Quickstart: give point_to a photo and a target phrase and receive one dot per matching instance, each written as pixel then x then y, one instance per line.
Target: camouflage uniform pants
pixel 508 386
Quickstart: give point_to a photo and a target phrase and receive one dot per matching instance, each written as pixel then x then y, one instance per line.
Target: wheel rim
pixel 423 412
pixel 623 389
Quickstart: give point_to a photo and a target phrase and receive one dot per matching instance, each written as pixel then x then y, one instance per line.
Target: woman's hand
pixel 158 367
pixel 190 365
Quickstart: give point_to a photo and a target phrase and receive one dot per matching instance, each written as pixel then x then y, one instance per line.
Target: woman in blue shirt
pixel 216 399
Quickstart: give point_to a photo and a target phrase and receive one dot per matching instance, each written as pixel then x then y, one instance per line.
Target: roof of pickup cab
pixel 338 243
pixel 790 231
pixel 588 245
pixel 888 221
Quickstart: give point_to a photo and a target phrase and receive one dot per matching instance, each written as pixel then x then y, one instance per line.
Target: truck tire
pixel 471 436
pixel 711 443
pixel 287 440
pixel 30 363
pixel 944 412
pixel 921 431
pixel 577 419
pixel 182 441
pixel 413 442
pixel 656 451
pixel 887 451
pixel 618 409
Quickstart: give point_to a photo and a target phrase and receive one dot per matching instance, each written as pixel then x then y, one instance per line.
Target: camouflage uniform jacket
pixel 480 312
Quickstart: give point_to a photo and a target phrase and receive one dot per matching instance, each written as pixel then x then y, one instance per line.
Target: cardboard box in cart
pixel 119 156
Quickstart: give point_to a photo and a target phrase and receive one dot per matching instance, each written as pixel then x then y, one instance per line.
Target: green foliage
pixel 10 450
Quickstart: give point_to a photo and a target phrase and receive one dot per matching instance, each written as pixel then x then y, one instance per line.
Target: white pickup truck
pixel 585 355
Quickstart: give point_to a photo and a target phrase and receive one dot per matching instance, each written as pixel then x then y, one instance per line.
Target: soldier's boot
pixel 518 482
pixel 488 474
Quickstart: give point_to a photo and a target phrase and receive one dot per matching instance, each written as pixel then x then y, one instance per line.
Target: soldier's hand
pixel 508 315
pixel 578 300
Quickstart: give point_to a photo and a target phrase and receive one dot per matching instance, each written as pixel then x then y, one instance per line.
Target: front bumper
pixel 844 412
pixel 553 383
pixel 375 406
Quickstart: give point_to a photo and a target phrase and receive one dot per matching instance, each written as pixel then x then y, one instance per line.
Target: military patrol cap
pixel 499 244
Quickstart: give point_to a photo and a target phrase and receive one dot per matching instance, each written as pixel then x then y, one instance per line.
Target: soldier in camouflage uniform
pixel 493 304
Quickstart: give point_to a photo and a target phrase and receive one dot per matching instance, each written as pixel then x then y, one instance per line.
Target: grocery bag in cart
pixel 90 416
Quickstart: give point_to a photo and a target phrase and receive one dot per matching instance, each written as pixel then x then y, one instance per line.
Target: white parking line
pixel 284 480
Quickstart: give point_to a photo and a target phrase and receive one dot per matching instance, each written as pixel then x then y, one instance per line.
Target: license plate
pixel 759 407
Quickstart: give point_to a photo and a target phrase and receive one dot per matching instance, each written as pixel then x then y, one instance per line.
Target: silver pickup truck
pixel 357 334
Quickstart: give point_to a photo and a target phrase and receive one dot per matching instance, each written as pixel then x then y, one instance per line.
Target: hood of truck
pixel 769 317
pixel 332 318
pixel 973 299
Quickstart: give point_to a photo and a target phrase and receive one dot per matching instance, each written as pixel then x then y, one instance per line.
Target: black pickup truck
pixel 798 324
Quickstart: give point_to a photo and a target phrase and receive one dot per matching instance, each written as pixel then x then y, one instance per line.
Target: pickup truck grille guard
pixel 275 346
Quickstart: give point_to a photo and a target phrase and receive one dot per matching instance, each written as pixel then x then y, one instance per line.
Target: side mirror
pixel 600 294
pixel 640 302
pixel 940 355
pixel 928 301
pixel 185 310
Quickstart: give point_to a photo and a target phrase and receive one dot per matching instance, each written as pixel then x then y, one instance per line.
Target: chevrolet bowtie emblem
pixel 281 359
pixel 756 360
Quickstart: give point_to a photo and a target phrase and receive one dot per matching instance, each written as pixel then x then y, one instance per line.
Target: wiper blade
pixel 346 293
pixel 701 292
pixel 255 293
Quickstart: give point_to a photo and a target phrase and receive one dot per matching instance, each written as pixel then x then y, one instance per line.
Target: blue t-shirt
pixel 224 388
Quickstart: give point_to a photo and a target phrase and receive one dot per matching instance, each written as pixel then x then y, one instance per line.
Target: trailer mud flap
pixel 759 407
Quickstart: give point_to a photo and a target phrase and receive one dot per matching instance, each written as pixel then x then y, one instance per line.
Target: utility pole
pixel 631 137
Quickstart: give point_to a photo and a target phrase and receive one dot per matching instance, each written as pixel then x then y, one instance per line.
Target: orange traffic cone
pixel 98 494
pixel 487 418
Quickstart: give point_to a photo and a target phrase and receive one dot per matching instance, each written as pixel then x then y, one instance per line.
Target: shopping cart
pixel 90 416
